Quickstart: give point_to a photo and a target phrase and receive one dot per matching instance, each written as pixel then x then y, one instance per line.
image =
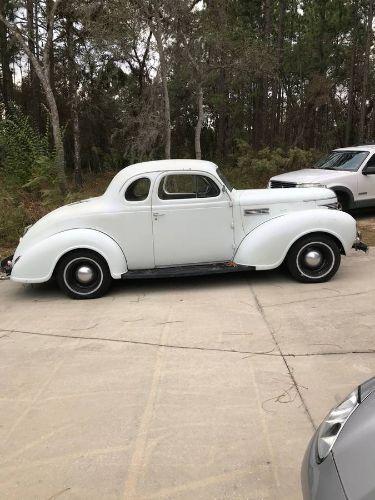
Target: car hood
pixel 250 197
pixel 313 175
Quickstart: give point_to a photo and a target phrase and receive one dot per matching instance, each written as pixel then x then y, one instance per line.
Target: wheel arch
pixel 38 262
pixel 268 244
pixel 328 234
pixel 345 191
pixel 102 245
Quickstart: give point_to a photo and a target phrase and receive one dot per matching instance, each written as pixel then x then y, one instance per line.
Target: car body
pixel 181 217
pixel 339 461
pixel 349 172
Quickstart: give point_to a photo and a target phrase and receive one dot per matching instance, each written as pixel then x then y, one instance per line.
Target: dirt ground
pixel 366 224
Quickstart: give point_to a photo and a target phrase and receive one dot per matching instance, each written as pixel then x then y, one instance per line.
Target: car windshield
pixel 342 160
pixel 227 184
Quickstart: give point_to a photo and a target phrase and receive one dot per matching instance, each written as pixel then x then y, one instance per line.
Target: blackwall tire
pixel 83 274
pixel 313 259
pixel 342 202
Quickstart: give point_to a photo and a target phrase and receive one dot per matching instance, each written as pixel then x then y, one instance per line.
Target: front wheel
pixel 342 202
pixel 83 274
pixel 313 259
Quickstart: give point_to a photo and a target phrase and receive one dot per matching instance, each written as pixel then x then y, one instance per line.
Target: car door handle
pixel 158 214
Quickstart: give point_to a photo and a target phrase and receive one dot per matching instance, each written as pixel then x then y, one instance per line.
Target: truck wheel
pixel 313 259
pixel 342 202
pixel 83 274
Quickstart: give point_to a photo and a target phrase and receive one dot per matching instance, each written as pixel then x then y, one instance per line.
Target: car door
pixel 192 220
pixel 366 182
pixel 130 223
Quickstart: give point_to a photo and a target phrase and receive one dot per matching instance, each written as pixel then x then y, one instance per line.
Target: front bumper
pixel 320 481
pixel 6 265
pixel 359 245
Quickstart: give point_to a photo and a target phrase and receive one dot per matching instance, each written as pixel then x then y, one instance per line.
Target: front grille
pixel 281 184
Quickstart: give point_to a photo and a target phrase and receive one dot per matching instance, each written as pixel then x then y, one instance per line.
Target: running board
pixel 196 270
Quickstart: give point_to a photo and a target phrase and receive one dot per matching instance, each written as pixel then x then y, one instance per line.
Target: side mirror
pixel 369 170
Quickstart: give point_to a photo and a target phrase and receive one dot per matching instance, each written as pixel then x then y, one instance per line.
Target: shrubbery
pixel 28 181
pixel 254 168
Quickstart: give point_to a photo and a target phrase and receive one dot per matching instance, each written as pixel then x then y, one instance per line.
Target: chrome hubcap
pixel 85 274
pixel 313 258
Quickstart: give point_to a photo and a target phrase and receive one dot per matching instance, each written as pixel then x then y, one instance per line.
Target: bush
pixel 21 147
pixel 12 219
pixel 28 182
pixel 254 168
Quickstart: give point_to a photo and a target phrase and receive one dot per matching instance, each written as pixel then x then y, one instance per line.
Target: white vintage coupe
pixel 182 217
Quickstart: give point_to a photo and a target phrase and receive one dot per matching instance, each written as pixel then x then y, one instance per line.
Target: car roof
pixel 158 166
pixel 362 147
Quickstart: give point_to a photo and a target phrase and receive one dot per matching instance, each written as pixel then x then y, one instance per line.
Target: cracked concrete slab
pixel 190 388
pixel 329 317
pixel 127 421
pixel 340 373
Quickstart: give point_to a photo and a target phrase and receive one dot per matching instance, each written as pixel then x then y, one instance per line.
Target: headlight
pixel 333 423
pixel 310 185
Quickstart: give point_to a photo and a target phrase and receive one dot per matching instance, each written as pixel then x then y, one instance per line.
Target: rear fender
pixel 268 244
pixel 37 263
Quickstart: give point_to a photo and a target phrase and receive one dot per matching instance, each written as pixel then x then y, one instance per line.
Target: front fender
pixel 268 244
pixel 35 264
pixel 343 189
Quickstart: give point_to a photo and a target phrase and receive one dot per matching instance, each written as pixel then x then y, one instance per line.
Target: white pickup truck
pixel 349 172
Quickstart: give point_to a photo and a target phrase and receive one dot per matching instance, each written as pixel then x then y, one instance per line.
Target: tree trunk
pixel 369 37
pixel 222 119
pixel 51 53
pixel 351 94
pixel 78 181
pixel 57 137
pixel 34 82
pixel 163 71
pixel 7 81
pixel 43 73
pixel 277 89
pixel 198 127
pixel 264 111
pixel 72 70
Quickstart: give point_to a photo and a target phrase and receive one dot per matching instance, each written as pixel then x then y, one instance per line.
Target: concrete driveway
pixel 194 388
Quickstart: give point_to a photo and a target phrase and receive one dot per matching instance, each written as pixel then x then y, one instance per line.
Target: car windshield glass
pixel 342 160
pixel 227 184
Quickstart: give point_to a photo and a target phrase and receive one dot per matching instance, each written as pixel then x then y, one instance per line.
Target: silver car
pixel 339 463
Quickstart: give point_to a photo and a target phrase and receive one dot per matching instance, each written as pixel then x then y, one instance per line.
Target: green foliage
pixel 43 181
pixel 29 184
pixel 254 168
pixel 12 218
pixel 21 148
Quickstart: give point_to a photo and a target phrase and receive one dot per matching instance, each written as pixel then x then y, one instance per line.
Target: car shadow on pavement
pixel 50 292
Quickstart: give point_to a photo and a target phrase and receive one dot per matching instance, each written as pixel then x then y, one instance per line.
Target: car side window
pixel 371 162
pixel 138 190
pixel 185 186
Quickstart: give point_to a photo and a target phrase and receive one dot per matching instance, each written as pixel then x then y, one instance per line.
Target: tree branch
pixel 49 40
pixel 14 30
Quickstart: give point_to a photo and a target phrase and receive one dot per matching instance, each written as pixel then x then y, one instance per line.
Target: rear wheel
pixel 83 274
pixel 314 259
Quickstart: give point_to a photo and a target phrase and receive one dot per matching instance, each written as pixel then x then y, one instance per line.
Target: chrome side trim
pixel 256 211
